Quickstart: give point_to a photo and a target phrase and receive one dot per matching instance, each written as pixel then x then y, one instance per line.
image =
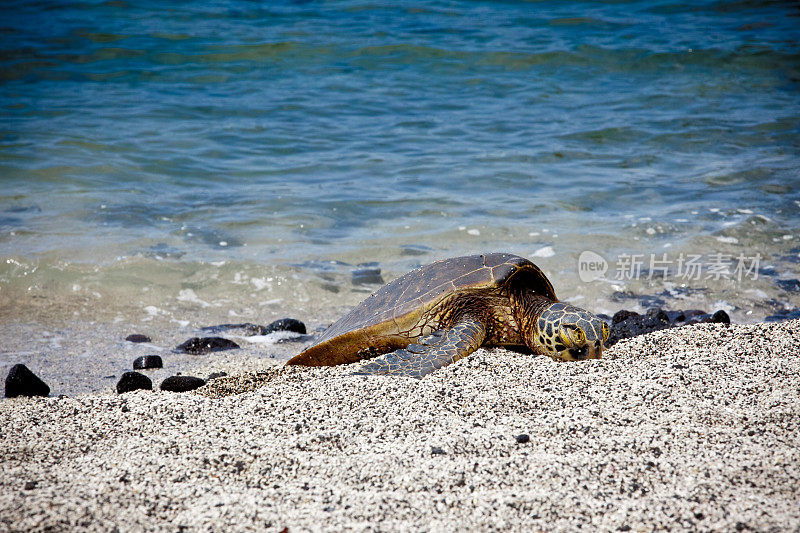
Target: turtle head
pixel 568 333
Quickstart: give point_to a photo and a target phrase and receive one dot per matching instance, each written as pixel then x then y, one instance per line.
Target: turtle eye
pixel 606 332
pixel 572 335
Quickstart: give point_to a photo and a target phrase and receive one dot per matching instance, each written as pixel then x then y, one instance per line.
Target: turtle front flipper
pixel 439 349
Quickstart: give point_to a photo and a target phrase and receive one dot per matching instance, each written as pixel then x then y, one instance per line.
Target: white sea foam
pixel 269 339
pixel 546 251
pixel 189 296
pixel 261 283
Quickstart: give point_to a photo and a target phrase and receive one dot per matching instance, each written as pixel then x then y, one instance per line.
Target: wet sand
pixel 693 428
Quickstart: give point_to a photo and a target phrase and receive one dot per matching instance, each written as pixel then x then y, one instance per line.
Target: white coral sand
pixel 693 428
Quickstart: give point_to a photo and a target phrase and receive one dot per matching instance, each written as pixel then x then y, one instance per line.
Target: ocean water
pixel 178 165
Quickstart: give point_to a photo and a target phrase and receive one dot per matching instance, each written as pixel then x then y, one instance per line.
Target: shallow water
pixel 239 159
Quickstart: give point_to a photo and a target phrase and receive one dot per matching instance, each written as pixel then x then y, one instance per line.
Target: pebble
pixel 285 324
pixel 369 275
pixel 148 361
pixel 204 345
pixel 137 337
pixel 523 438
pixel 182 383
pixel 131 381
pixel 22 382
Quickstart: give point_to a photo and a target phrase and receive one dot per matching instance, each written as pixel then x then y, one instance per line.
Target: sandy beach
pixel 694 428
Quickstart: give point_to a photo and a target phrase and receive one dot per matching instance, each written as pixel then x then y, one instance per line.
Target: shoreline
pixel 687 428
pixel 79 355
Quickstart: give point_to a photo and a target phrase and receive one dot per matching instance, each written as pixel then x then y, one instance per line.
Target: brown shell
pixel 374 325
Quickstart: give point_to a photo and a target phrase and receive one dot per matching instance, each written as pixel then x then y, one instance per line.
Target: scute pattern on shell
pixel 412 291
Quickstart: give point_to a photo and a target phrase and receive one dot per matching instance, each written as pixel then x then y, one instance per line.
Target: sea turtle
pixel 439 313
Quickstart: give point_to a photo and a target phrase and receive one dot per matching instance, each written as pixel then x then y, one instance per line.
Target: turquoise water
pixel 242 159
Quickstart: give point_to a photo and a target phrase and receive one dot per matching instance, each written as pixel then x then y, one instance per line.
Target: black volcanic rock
pixel 182 383
pixel 286 324
pixel 131 381
pixel 137 337
pixel 204 345
pixel 148 361
pixel 635 324
pixel 621 315
pixel 22 382
pixel 626 324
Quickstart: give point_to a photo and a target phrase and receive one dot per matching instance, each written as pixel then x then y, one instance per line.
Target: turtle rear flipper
pixel 433 352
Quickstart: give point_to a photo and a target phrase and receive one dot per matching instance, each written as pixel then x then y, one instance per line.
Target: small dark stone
pixel 435 450
pixel 721 317
pixel 131 381
pixel 148 361
pixel 216 375
pixel 138 337
pixel 285 324
pixel 22 382
pixel 204 345
pixel 30 485
pixel 369 275
pixel 523 438
pixel 624 527
pixel 182 383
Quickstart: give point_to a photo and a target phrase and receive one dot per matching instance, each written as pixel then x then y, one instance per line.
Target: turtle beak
pixel 587 351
